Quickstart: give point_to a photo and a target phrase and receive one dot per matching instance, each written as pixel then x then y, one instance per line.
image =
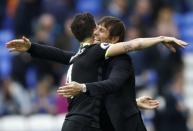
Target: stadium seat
pixel 13 123
pixel 59 121
pixel 42 123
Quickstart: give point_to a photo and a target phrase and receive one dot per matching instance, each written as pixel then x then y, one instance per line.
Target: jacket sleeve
pixel 50 53
pixel 119 75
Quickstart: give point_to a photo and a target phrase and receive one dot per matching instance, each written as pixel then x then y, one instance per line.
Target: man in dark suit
pixel 82 111
pixel 120 112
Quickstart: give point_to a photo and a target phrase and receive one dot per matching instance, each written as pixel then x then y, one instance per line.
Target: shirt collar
pixel 83 44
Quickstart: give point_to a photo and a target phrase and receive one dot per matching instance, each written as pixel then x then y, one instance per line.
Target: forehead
pixel 101 26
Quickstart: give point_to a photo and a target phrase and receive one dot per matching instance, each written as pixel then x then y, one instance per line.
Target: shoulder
pixel 102 46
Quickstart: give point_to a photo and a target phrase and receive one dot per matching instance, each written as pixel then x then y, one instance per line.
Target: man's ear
pixel 114 39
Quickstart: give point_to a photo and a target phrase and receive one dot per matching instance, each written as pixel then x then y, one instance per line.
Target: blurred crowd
pixel 28 85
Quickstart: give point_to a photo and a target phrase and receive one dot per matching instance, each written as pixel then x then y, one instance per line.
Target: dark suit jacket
pixel 118 89
pixel 117 86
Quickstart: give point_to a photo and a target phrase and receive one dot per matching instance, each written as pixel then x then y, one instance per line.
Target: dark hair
pixel 83 26
pixel 114 25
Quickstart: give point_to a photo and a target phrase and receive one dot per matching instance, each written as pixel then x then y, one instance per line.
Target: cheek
pixel 104 36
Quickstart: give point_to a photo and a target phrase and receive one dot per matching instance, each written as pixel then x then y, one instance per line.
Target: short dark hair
pixel 114 25
pixel 83 26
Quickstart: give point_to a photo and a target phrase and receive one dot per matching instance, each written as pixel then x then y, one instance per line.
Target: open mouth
pixel 96 40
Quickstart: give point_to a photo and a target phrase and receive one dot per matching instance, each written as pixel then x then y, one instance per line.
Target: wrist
pixel 83 88
pixel 29 45
pixel 161 38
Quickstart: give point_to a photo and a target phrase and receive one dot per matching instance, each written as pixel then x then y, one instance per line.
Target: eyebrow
pixel 102 27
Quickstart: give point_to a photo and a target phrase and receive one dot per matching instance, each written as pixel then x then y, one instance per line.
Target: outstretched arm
pixel 50 53
pixel 142 43
pixel 40 51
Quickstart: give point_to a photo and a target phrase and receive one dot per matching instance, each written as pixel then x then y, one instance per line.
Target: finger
pixel 170 47
pixel 67 96
pixel 60 91
pixel 153 101
pixel 154 107
pixel 64 91
pixel 148 98
pixel 175 41
pixel 179 43
pixel 182 42
pixel 14 43
pixel 61 87
pixel 69 86
pixel 153 104
pixel 157 105
pixel 25 39
pixel 12 50
pixel 64 87
pixel 10 44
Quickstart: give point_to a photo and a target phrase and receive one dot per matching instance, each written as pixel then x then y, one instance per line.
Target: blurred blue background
pixel 28 85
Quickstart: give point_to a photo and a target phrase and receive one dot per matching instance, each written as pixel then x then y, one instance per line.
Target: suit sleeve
pixel 120 74
pixel 50 53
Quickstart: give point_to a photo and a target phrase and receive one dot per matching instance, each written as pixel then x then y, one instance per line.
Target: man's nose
pixel 96 31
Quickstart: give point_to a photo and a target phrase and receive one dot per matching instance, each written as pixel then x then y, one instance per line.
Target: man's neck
pixel 87 41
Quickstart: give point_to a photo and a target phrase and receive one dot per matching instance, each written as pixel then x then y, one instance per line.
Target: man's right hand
pixel 20 45
pixel 146 102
